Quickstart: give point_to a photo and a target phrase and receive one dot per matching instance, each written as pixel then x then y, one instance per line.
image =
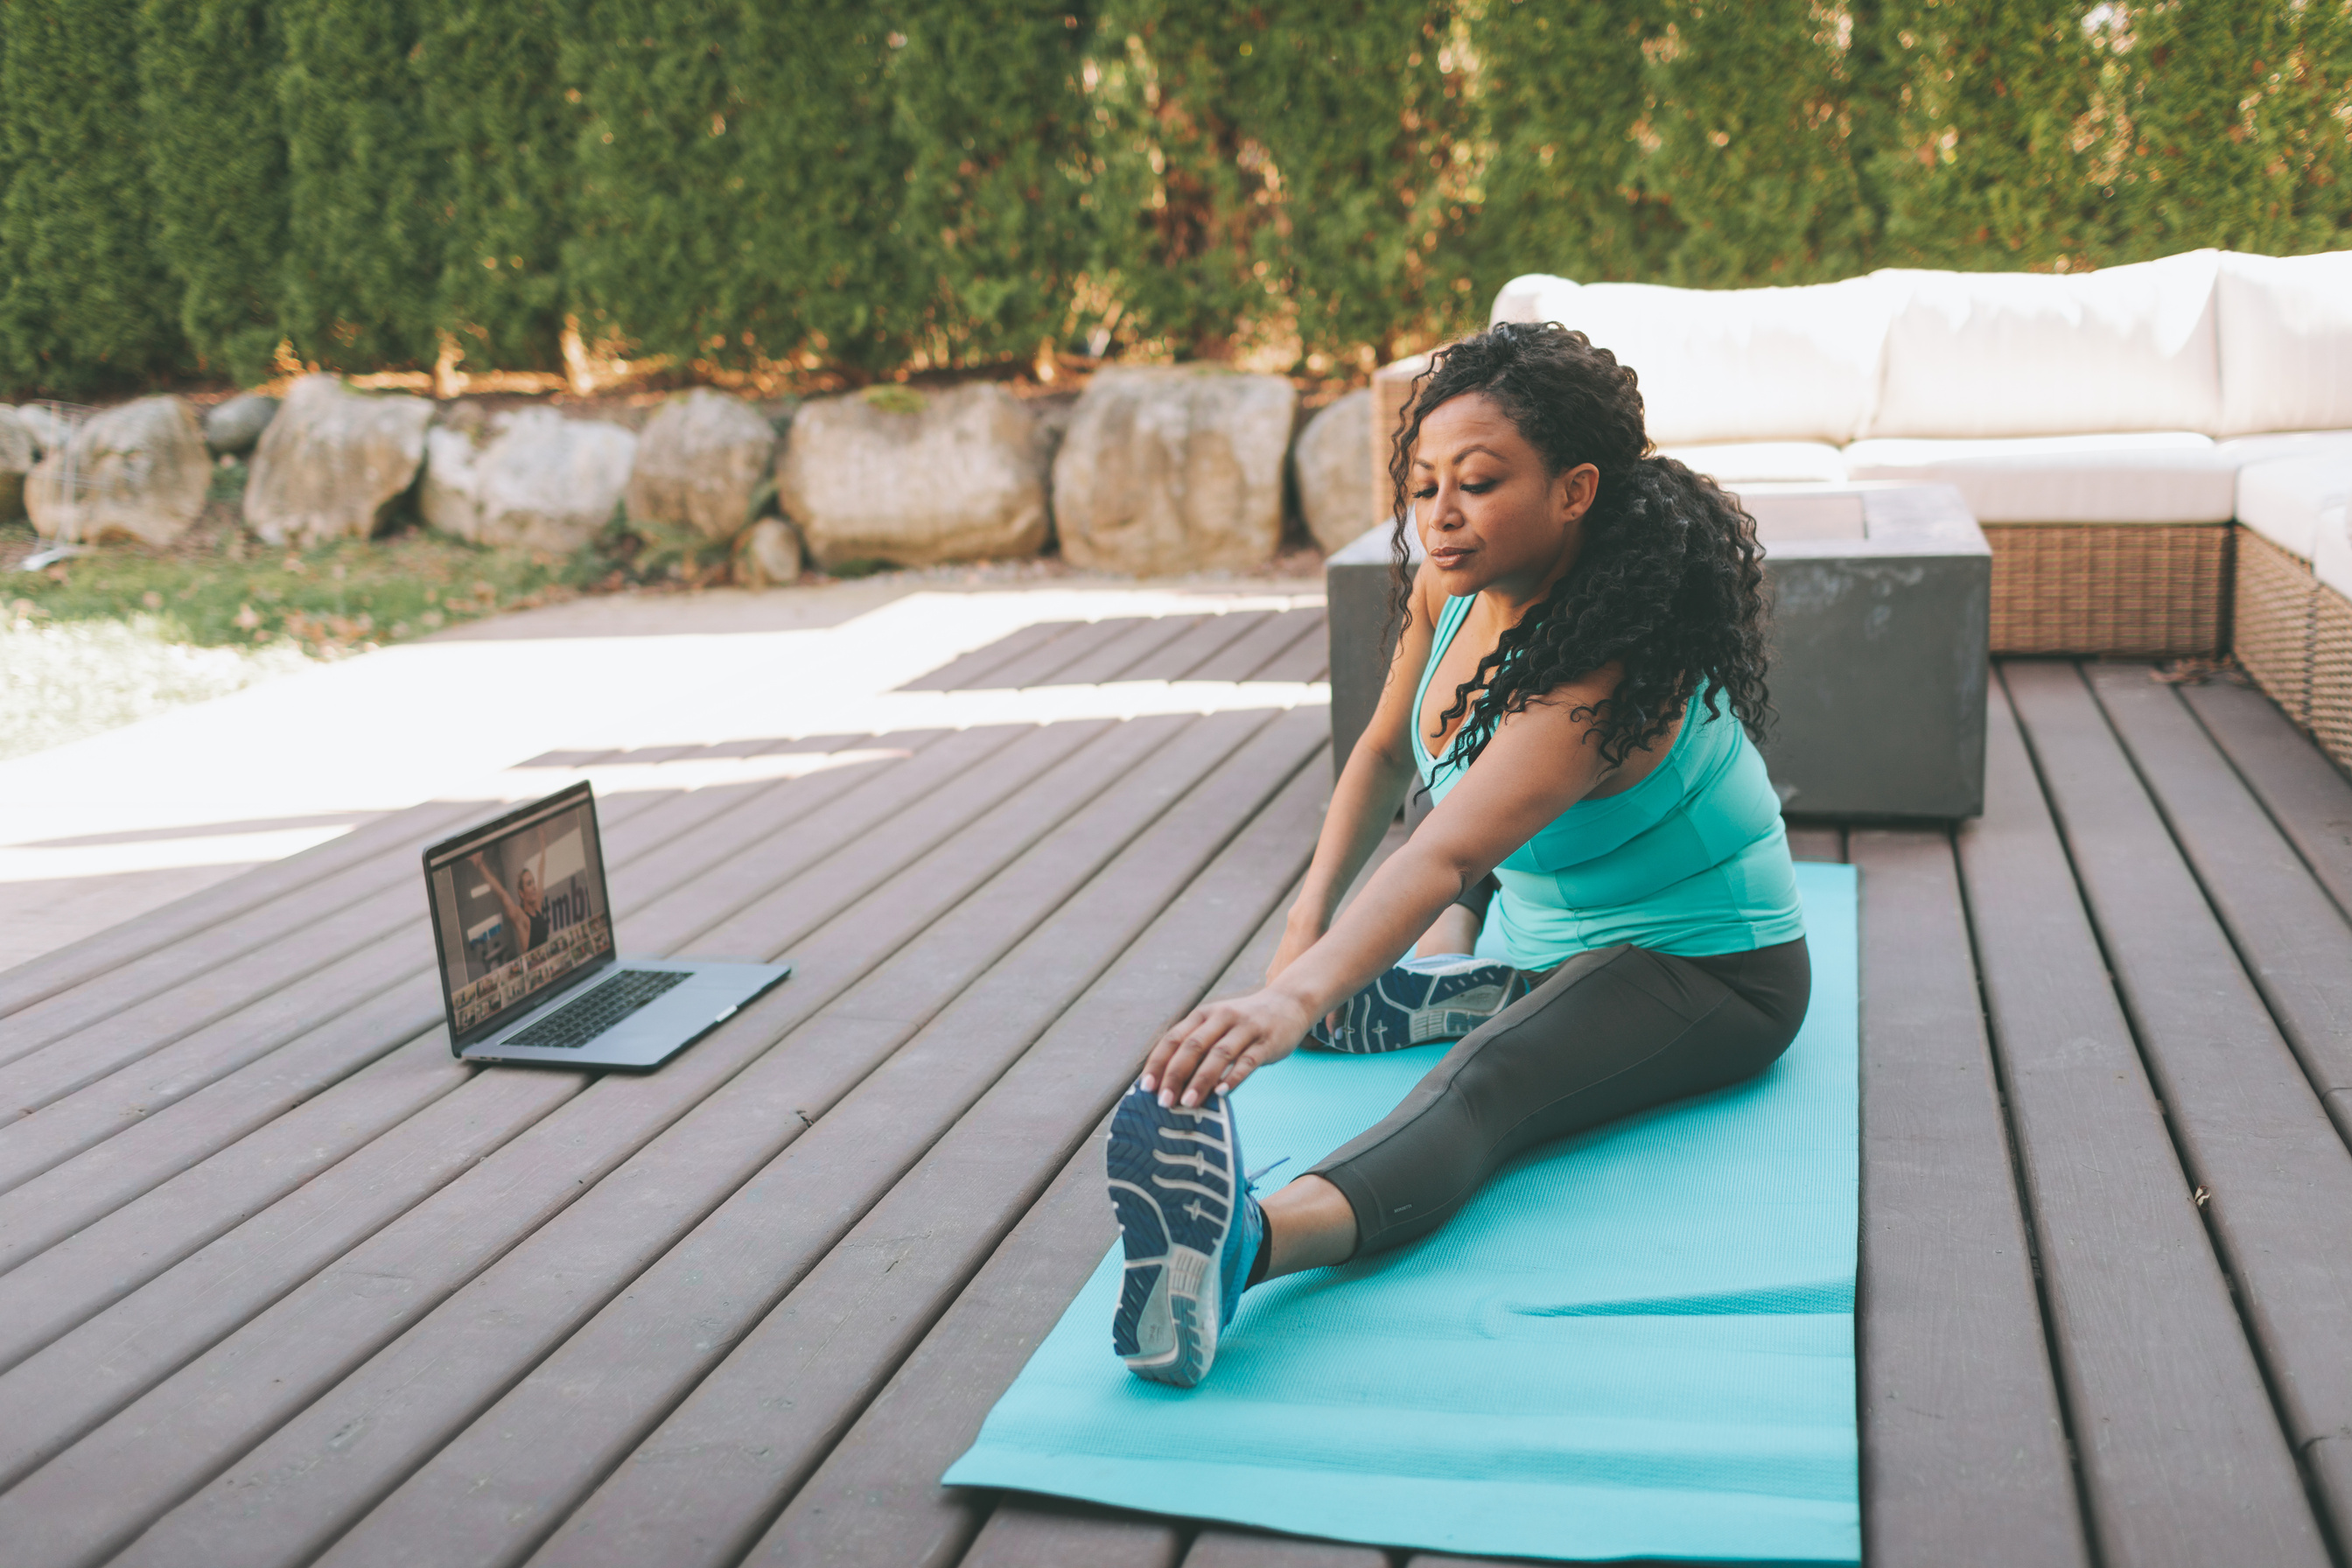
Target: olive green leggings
pixel 1609 1032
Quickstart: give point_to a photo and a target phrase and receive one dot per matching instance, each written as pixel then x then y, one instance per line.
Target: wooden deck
pixel 280 1282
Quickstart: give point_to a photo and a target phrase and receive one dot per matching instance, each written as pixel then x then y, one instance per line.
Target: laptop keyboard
pixel 576 1024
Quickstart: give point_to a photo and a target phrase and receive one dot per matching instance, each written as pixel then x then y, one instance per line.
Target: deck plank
pixel 1113 659
pixel 700 1295
pixel 1302 661
pixel 842 1329
pixel 2248 1122
pixel 1180 659
pixel 155 1149
pixel 1241 658
pixel 1043 665
pixel 2290 936
pixel 227 1015
pixel 2305 796
pixel 971 671
pixel 1816 841
pixel 342 1017
pixel 1964 1452
pixel 107 951
pixel 1217 1547
pixel 840 919
pixel 267 946
pixel 875 1498
pixel 1047 1532
pixel 2140 1317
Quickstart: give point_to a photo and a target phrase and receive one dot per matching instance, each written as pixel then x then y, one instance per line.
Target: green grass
pixel 217 587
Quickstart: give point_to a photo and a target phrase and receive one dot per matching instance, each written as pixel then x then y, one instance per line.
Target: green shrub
pixel 217 166
pixel 1562 97
pixel 367 195
pixel 738 181
pixel 875 188
pixel 86 303
pixel 993 225
pixel 505 128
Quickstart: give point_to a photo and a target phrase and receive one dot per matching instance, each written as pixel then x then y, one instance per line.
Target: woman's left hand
pixel 1218 1045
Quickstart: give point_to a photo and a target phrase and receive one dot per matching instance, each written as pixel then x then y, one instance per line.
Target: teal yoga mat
pixel 1638 1342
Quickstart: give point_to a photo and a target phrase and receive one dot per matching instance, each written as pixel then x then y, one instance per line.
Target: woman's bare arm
pixel 1371 786
pixel 1540 762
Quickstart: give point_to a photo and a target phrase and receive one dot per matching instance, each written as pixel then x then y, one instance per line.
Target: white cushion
pixel 2286 342
pixel 2331 554
pixel 2018 354
pixel 2173 476
pixel 2269 443
pixel 2284 501
pixel 1728 365
pixel 1774 462
pixel 1531 297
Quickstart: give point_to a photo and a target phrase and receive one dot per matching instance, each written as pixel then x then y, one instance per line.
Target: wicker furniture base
pixel 2274 614
pixel 2331 674
pixel 2149 590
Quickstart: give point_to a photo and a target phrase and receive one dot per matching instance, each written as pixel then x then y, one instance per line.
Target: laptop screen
pixel 518 910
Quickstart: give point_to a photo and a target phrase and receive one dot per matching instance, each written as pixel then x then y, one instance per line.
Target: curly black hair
pixel 1668 584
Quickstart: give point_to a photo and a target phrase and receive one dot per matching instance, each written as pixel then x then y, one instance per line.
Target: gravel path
pixel 62 682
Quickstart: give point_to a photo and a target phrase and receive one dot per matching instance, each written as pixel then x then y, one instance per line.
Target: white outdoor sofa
pixel 2121 434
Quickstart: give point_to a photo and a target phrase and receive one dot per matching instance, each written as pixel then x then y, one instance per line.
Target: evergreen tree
pixel 365 192
pixel 86 304
pixel 738 181
pixel 1560 93
pixel 216 163
pixel 2219 137
pixel 1302 169
pixel 986 103
pixel 1751 113
pixel 1977 163
pixel 505 134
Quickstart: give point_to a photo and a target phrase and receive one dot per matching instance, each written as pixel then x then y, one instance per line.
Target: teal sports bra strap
pixel 1449 622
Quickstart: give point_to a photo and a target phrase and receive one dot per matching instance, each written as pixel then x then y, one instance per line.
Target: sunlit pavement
pixel 102 829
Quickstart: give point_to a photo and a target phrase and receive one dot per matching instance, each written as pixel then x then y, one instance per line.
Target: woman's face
pixel 527 893
pixel 1490 516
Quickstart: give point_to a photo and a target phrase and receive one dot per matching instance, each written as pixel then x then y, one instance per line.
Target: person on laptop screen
pixel 1600 895
pixel 526 906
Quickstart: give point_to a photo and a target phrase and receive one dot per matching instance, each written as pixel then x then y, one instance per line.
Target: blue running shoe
pixel 1420 1001
pixel 1191 1231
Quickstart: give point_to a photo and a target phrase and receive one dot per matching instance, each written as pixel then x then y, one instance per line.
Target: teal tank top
pixel 1692 860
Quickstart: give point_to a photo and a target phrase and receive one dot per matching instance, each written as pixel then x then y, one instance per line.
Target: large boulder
pixel 450 494
pixel 17 455
pixel 48 429
pixel 1173 469
pixel 702 463
pixel 1335 487
pixel 231 428
pixel 333 462
pixel 541 482
pixel 139 471
pixel 915 478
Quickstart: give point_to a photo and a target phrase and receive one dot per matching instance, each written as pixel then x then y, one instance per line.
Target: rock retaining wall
pixel 1152 469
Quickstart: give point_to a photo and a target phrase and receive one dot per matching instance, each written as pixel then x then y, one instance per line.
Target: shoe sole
pixel 1172 1181
pixel 1448 1008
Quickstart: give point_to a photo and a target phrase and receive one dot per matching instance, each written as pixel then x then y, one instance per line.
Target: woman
pixel 1578 674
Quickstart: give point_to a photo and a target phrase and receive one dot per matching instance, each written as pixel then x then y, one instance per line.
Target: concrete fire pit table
pixel 1881 597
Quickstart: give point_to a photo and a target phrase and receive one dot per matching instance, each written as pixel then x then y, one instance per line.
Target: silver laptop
pixel 528 975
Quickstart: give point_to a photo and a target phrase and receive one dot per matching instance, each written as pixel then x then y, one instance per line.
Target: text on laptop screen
pixel 520 910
